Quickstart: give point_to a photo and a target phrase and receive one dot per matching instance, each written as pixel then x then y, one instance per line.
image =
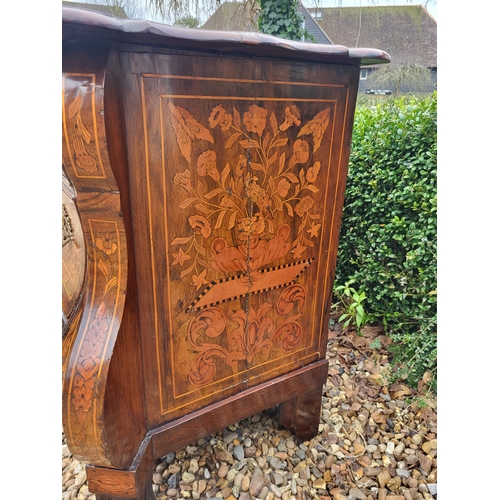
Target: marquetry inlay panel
pixel 240 192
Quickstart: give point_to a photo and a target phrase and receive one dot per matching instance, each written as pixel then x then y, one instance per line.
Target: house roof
pixel 233 16
pixel 408 32
pixel 105 9
pixel 312 26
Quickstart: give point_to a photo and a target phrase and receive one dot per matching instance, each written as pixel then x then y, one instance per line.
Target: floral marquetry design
pixel 273 179
pixel 247 333
pixel 91 351
pixel 79 127
pixel 249 191
pixel 186 129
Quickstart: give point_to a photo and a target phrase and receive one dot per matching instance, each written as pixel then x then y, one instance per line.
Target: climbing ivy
pixel 281 18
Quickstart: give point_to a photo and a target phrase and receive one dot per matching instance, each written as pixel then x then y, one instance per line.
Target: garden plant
pixel 388 243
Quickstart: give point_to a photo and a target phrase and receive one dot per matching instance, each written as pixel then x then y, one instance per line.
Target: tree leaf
pixel 220 218
pixel 181 241
pixel 199 248
pixel 110 284
pixel 282 163
pixel 187 202
pixel 82 129
pixel 257 166
pixel 236 118
pixel 188 270
pixel 278 203
pixel 75 106
pixel 204 209
pixel 359 319
pixel 312 188
pixel 302 177
pixel 266 140
pixel 232 140
pixel 316 127
pixel 182 133
pixel 232 220
pixel 291 177
pixel 249 144
pixel 213 193
pixel 224 174
pixel 290 209
pixel 280 142
pixel 103 268
pixel 273 158
pixel 274 123
pixel 187 128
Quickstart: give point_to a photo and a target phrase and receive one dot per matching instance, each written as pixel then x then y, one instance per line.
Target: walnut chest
pixel 203 183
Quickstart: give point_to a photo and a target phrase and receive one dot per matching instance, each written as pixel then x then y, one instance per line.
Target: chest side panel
pixel 235 168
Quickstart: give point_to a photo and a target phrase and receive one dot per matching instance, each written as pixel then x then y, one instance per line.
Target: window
pixel 316 15
pixel 364 74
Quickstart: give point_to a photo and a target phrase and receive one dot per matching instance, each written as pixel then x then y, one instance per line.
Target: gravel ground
pixel 376 441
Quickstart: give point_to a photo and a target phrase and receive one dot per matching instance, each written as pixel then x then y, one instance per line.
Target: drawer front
pixel 237 171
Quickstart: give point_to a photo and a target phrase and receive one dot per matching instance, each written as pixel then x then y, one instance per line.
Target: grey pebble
pixel 256 484
pixel 161 467
pixel 263 493
pixel 173 481
pixel 357 494
pixel 275 490
pixel 230 437
pixel 276 463
pixel 403 473
pixel 277 478
pixel 422 487
pixel 317 472
pixel 239 452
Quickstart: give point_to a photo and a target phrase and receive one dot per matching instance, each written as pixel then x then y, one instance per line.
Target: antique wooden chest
pixel 203 183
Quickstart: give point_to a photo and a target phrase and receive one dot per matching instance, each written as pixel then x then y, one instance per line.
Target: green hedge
pixel 388 241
